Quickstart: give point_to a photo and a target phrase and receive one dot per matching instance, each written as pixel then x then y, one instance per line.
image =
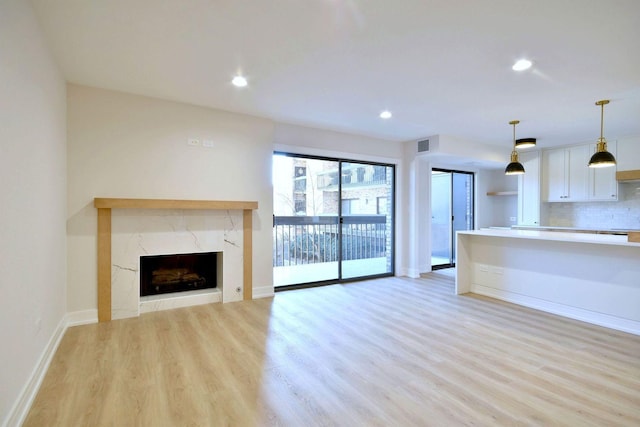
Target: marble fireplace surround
pixel 105 205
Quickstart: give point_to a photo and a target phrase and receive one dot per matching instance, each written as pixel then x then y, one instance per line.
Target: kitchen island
pixel 590 277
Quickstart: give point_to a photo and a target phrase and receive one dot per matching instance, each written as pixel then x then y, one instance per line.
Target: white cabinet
pixel 554 175
pixel 565 174
pixel 529 189
pixel 602 181
pixel 628 153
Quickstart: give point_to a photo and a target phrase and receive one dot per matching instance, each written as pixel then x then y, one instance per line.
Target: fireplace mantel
pixel 105 203
pixel 104 206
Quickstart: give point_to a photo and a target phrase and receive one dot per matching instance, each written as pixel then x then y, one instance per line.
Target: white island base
pixel 590 277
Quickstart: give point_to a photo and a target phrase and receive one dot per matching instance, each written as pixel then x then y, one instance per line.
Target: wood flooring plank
pixel 391 351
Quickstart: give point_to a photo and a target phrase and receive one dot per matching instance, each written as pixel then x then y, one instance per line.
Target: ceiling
pixel 440 66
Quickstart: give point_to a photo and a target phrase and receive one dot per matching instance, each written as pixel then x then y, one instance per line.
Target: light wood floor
pixel 389 352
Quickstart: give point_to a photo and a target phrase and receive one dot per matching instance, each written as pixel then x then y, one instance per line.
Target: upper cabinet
pixel 628 154
pixel 529 189
pixel 565 174
pixel 602 181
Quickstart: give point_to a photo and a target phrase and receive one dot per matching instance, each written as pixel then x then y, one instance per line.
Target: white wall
pixel 449 153
pixel 417 211
pixel 496 211
pixel 472 149
pixel 32 207
pixel 122 145
pixel 304 140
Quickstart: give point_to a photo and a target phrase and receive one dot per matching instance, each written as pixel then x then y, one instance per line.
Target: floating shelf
pixel 502 193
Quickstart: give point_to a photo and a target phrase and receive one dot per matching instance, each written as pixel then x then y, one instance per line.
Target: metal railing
pixel 315 239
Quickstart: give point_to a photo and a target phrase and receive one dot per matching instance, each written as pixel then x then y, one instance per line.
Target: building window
pixel 300 179
pixel 349 206
pixel 300 203
pixel 379 174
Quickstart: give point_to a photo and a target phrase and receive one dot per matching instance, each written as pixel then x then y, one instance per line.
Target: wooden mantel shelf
pixel 104 206
pixel 108 203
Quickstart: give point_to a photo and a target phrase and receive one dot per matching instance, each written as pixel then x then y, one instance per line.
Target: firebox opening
pixel 163 274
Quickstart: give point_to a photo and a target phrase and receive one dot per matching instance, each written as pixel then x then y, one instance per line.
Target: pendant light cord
pixel 601 121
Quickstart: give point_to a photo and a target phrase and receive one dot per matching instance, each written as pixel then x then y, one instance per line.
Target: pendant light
pixel 525 143
pixel 515 167
pixel 602 158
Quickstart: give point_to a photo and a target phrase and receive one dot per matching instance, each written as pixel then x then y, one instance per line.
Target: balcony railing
pixel 314 239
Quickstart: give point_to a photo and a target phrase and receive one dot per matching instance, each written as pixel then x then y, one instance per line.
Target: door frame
pixel 452 236
pixel 392 208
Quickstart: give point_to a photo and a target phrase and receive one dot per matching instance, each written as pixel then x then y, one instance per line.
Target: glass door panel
pixel 451 211
pixel 441 212
pixel 367 219
pixel 305 222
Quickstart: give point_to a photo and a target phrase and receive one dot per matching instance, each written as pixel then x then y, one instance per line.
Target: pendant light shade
pixel 602 158
pixel 515 167
pixel 525 142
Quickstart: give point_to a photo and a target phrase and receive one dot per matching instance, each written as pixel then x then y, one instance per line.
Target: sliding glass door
pixel 451 211
pixel 305 222
pixel 367 219
pixel 333 220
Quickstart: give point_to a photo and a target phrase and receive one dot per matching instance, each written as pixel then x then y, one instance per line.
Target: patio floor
pixel 307 273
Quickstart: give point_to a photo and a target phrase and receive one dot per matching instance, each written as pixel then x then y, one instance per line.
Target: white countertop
pixel 601 239
pixel 571 229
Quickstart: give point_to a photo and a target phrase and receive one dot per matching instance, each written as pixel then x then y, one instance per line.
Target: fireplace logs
pixel 163 274
pixel 169 277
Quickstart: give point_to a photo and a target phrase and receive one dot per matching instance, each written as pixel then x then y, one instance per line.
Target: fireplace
pixel 131 228
pixel 164 274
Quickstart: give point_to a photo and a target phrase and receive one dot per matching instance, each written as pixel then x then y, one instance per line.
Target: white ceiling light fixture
pixel 239 81
pixel 521 65
pixel 386 114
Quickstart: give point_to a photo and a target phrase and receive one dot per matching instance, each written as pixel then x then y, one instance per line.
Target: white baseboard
pixel 413 273
pixel 21 408
pixel 601 319
pixel 83 317
pixel 263 292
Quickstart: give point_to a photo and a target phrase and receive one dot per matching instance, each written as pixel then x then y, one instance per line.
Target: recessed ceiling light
pixel 386 114
pixel 239 81
pixel 521 64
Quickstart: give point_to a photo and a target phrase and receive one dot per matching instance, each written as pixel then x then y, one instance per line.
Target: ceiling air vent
pixel 423 146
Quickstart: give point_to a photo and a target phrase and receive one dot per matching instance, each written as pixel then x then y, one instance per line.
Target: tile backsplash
pixel 625 213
